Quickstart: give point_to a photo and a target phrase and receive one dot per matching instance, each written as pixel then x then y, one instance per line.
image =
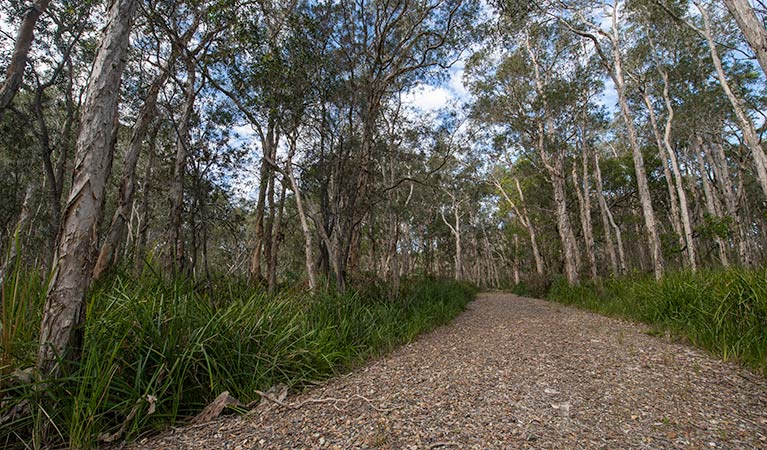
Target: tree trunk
pixel 118 227
pixel 516 259
pixel 584 202
pixel 308 245
pixel 711 207
pixel 678 179
pixel 563 225
pixel 750 135
pixel 731 202
pixel 15 73
pixel 674 213
pixel 277 239
pixel 619 266
pixel 270 218
pixel 178 256
pixel 546 136
pixel 143 228
pixel 752 28
pixel 455 229
pixel 643 188
pixel 65 302
pixel 524 219
pixel 267 143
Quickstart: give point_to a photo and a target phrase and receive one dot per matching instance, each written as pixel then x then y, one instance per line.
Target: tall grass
pixel 723 311
pixel 155 352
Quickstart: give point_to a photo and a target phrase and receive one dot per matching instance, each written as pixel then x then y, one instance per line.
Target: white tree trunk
pixel 643 188
pixel 747 126
pixel 711 202
pixel 752 28
pixel 678 179
pixel 620 266
pixel 675 215
pixel 75 251
pixel 731 202
pixel 584 201
pixel 177 258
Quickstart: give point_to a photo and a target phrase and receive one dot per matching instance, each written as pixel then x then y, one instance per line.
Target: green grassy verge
pixel 722 311
pixel 156 353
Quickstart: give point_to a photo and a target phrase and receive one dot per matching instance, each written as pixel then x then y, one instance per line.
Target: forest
pixel 196 192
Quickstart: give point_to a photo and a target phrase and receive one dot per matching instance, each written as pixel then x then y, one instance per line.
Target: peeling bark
pixel 65 302
pixel 14 75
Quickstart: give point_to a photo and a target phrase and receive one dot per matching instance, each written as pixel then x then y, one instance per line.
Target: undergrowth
pixel 722 311
pixel 156 352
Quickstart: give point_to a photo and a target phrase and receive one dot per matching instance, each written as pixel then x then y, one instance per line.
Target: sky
pixel 430 98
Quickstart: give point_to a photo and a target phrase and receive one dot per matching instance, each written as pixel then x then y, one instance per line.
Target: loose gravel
pixel 512 372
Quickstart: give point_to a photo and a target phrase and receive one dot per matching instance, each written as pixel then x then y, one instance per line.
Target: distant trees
pixel 689 139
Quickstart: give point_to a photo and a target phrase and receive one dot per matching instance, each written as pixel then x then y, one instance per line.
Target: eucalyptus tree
pixel 752 27
pixel 535 92
pixel 65 301
pixel 14 74
pixel 609 47
pixel 51 101
pixel 708 24
pixel 165 61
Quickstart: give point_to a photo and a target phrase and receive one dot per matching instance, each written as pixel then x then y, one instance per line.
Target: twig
pixel 335 402
pixel 442 444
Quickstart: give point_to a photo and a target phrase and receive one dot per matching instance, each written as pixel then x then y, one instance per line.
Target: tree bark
pixel 276 239
pixel 643 188
pixel 178 255
pixel 524 219
pixel 64 308
pixel 674 213
pixel 619 267
pixel 455 229
pixel 711 202
pixel 308 245
pixel 143 228
pixel 678 178
pixel 118 227
pixel 584 202
pixel 751 27
pixel 750 135
pixel 14 75
pixel 731 202
pixel 556 170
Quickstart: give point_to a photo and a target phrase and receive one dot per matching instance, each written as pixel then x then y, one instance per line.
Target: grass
pixel 156 352
pixel 722 311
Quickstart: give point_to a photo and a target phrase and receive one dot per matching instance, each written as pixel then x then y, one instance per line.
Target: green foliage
pixel 716 227
pixel 722 311
pixel 157 352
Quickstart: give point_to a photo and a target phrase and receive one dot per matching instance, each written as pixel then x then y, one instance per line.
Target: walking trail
pixel 512 372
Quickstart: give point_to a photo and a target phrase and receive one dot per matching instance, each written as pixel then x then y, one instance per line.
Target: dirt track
pixel 513 373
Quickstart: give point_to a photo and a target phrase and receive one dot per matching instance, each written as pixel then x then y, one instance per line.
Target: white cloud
pixel 426 98
pixel 430 99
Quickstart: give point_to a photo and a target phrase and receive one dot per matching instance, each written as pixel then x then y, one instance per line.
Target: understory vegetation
pixel 156 352
pixel 722 311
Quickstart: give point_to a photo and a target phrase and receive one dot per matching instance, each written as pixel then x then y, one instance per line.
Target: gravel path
pixel 513 372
